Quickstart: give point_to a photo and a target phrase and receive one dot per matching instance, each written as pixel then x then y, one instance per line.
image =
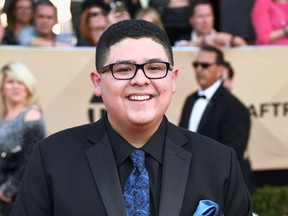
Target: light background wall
pixel 261 80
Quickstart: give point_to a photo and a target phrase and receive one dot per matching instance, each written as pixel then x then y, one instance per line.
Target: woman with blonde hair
pixel 150 14
pixel 22 125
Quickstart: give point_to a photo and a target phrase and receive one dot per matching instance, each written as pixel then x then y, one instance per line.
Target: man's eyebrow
pixel 134 62
pixel 154 60
pixel 125 62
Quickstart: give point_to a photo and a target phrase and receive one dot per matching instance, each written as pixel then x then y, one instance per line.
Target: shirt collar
pixel 209 92
pixel 194 36
pixel 122 149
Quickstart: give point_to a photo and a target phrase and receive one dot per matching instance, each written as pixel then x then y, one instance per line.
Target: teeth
pixel 139 97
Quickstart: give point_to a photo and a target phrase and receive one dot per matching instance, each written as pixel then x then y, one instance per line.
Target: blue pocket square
pixel 207 208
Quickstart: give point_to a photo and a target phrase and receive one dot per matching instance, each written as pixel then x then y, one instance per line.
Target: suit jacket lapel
pixel 209 108
pixel 104 170
pixel 175 172
pixel 205 115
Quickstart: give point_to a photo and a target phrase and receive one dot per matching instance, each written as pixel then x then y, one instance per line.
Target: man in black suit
pixel 84 170
pixel 220 115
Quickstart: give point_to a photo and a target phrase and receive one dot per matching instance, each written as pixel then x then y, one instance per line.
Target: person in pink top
pixel 270 22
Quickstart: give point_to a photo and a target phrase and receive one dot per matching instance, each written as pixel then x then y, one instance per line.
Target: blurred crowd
pixel 220 23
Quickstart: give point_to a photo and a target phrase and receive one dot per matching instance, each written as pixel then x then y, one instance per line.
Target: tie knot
pixel 138 159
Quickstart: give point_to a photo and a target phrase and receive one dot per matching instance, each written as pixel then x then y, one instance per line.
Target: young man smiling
pixel 133 161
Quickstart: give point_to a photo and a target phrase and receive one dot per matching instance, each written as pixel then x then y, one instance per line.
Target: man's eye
pixel 153 68
pixel 122 68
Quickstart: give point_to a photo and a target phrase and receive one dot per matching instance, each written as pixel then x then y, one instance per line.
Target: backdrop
pixel 261 82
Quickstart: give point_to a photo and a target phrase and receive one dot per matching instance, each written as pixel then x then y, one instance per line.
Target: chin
pixel 141 119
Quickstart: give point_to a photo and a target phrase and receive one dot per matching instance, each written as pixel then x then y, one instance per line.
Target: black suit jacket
pixel 226 120
pixel 74 173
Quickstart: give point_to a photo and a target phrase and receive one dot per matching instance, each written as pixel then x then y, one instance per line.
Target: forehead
pixel 45 9
pixel 202 9
pixel 207 56
pixel 138 50
pixel 23 2
pixel 95 9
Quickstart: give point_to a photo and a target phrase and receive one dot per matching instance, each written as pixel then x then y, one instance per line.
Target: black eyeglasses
pixel 202 64
pixel 127 70
pixel 95 14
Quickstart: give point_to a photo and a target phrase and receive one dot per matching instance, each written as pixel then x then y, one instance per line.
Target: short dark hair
pixel 95 3
pixel 219 54
pixel 200 2
pixel 135 29
pixel 45 2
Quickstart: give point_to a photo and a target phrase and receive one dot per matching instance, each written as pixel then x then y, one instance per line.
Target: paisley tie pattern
pixel 136 189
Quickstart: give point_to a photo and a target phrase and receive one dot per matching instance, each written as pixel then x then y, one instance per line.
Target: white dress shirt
pixel 201 104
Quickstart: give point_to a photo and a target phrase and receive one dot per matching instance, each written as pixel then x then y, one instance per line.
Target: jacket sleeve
pixel 34 196
pixel 34 131
pixel 235 129
pixel 237 197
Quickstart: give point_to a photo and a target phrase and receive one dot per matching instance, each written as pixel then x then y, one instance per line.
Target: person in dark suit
pixel 84 170
pixel 214 112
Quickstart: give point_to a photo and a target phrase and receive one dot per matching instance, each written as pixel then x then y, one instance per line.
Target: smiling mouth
pixel 139 97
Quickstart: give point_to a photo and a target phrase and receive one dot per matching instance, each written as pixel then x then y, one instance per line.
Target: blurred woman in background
pixel 22 125
pixel 93 23
pixel 19 15
pixel 150 14
pixel 96 17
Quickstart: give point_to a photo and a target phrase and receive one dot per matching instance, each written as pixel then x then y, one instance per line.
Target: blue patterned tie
pixel 136 189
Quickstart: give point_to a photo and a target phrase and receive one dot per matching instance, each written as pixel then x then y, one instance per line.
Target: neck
pixel 96 33
pixel 49 36
pixel 137 136
pixel 12 110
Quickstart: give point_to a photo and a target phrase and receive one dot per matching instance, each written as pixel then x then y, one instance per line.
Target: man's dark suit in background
pixel 224 119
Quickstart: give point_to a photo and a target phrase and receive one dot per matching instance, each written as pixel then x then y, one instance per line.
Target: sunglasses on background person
pixel 202 64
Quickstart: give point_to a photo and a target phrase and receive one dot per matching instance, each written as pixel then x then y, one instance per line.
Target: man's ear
pixel 221 70
pixel 96 80
pixel 174 78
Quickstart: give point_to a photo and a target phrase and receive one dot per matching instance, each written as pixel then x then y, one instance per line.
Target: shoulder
pixel 230 101
pixel 83 42
pixel 33 114
pixel 68 142
pixel 76 136
pixel 263 3
pixel 28 30
pixel 62 38
pixel 195 142
pixel 191 96
pixel 26 35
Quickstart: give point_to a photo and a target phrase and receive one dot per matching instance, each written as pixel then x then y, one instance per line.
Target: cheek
pixel 111 89
pixel 26 93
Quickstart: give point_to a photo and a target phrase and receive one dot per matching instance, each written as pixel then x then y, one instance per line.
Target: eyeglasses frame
pixel 109 67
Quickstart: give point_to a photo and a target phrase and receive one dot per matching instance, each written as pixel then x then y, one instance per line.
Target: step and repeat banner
pixel 261 83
